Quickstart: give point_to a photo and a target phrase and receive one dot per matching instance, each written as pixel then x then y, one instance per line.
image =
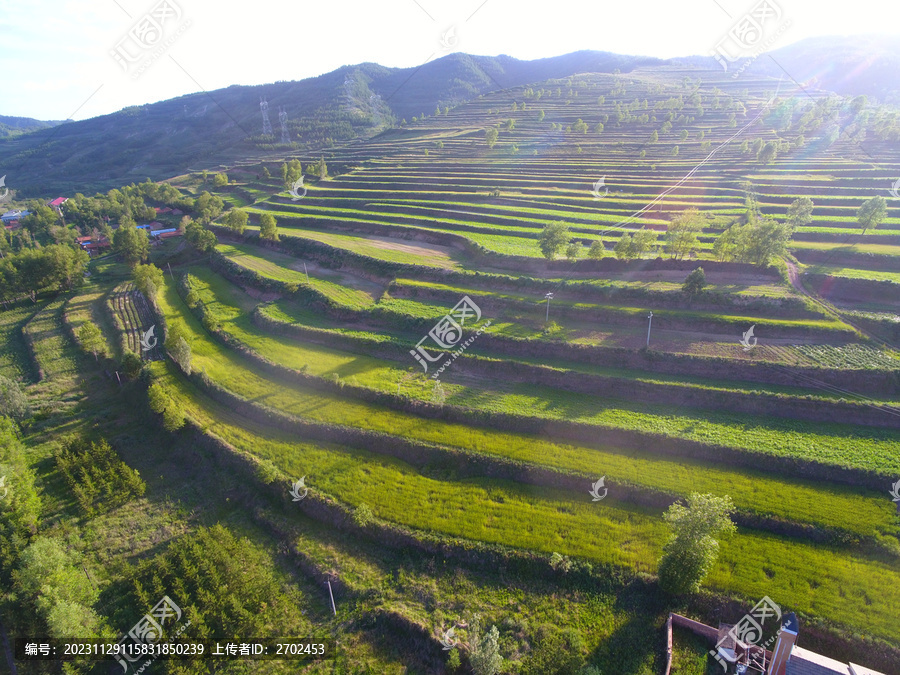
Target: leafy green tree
pixel 799 213
pixel 654 137
pixel 484 650
pixel 541 116
pixel 237 219
pixel 268 227
pixel 266 173
pixel 131 364
pixel 693 548
pixel 291 173
pixel 491 135
pixel 871 213
pixel 597 250
pixel 554 237
pixel 199 237
pixel 40 219
pixel 91 339
pixel 13 402
pixel 695 282
pixel 179 347
pixel 768 153
pixel 580 126
pixel 20 508
pixel 624 248
pixel 50 580
pixel 682 233
pixel 132 243
pixel 148 279
pixel 220 179
pixel 208 207
pixel 161 403
pixel 573 250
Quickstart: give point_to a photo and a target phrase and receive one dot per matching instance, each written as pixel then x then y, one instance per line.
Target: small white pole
pixel 170 271
pixel 649 323
pixel 548 296
pixel 307 273
pixel 331 595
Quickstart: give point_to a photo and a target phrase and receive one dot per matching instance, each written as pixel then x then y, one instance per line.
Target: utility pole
pixel 331 595
pixel 307 273
pixel 170 271
pixel 548 296
pixel 649 324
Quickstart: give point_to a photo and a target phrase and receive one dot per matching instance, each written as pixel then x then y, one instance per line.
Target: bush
pixel 13 402
pixel 131 364
pixel 363 515
pixel 96 475
pixel 484 650
pixel 695 282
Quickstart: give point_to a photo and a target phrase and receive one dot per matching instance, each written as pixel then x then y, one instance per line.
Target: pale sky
pixel 55 60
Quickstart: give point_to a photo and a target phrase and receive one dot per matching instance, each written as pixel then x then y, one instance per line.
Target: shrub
pixel 484 650
pixel 13 402
pixel 363 515
pixel 695 282
pixel 131 364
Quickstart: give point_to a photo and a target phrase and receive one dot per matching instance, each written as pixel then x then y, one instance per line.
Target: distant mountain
pixel 850 66
pixel 200 130
pixel 13 126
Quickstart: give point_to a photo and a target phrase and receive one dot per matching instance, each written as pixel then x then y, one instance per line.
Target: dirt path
pixel 797 283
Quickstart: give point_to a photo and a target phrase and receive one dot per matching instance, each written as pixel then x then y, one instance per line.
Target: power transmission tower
pixel 267 125
pixel 282 117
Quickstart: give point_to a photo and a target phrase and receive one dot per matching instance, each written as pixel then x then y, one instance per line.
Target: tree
pixel 266 173
pixel 131 364
pixel 237 219
pixel 643 240
pixel 580 126
pixel 162 403
pixel 178 346
pixel 624 248
pixel 541 116
pixel 484 650
pixel 491 135
pixel 148 279
pixel 694 282
pixel 13 402
pixel 871 213
pixel 291 173
pixel 220 180
pixel 654 137
pixel 799 213
pixel 553 238
pixel 681 236
pixel 692 549
pixel 91 339
pixel 208 207
pixel 199 237
pixel 597 250
pixel 573 250
pixel 132 243
pixel 268 227
pixel 767 153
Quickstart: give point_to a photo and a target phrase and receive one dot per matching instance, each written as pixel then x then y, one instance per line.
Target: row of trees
pixel 237 220
pixel 752 238
pixel 57 267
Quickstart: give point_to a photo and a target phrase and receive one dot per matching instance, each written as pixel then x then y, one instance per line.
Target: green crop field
pixel 300 428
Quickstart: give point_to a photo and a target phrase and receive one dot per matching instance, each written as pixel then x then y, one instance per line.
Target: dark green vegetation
pixel 465 503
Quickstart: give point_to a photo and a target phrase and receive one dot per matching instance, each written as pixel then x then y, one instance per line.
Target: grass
pixel 280 267
pixel 839 586
pixel 14 362
pixel 833 506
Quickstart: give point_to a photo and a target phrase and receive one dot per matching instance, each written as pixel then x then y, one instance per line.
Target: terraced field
pixel 778 385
